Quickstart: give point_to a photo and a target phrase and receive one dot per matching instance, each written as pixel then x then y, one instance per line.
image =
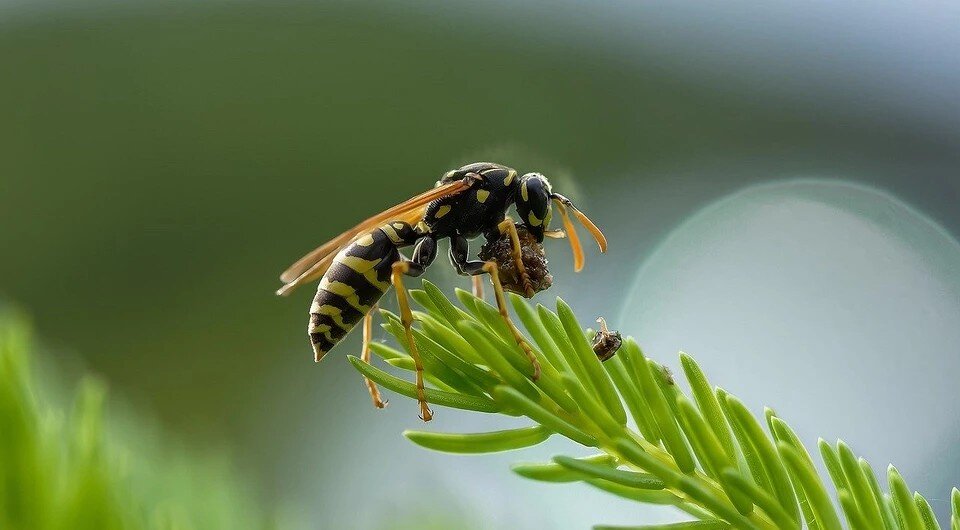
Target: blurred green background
pixel 161 162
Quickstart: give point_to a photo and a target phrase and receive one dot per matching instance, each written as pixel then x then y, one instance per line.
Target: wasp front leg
pixel 507 226
pixel 423 255
pixel 459 248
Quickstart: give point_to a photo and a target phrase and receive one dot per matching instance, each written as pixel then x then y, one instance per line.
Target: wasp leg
pixel 401 268
pixel 477 287
pixel 490 267
pixel 365 356
pixel 507 226
pixel 423 255
pixel 458 255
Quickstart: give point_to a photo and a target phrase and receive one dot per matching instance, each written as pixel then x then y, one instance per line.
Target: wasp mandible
pixel 357 267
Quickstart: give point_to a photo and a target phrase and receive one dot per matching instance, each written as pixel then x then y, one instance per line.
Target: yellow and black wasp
pixel 357 267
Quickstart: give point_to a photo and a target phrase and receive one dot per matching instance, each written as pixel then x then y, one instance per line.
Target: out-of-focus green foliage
pixel 87 468
pixel 180 154
pixel 161 161
pixel 706 454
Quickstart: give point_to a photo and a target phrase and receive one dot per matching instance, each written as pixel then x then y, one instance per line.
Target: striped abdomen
pixel 355 281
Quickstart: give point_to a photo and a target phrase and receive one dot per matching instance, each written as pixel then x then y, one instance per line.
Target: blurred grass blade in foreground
pixel 87 468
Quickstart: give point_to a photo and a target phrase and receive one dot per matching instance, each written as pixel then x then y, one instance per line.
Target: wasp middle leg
pixel 459 248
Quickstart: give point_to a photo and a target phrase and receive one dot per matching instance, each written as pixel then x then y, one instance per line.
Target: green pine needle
pixel 707 454
pixel 484 442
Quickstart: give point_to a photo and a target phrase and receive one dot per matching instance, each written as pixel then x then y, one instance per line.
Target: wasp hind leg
pixel 365 356
pixel 400 269
pixel 458 255
pixel 423 254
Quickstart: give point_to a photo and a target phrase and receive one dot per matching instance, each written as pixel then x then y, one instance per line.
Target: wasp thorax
pixel 534 261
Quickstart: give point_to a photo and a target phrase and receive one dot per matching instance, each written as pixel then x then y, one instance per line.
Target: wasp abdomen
pixel 355 281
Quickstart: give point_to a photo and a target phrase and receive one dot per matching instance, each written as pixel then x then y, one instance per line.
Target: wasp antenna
pixel 584 220
pixel 575 246
pixel 594 229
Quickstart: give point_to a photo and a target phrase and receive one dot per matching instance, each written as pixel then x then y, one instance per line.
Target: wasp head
pixel 533 203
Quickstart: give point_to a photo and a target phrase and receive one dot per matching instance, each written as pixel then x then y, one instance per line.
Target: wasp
pixel 357 267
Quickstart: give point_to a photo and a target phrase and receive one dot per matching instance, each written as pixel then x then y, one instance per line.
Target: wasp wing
pixel 316 270
pixel 314 264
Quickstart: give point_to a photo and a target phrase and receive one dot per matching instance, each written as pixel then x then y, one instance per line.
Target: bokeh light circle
pixel 835 303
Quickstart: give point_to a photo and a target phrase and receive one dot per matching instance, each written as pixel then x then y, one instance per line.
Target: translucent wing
pixel 314 264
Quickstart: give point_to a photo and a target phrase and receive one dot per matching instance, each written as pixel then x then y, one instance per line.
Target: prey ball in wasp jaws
pixel 534 260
